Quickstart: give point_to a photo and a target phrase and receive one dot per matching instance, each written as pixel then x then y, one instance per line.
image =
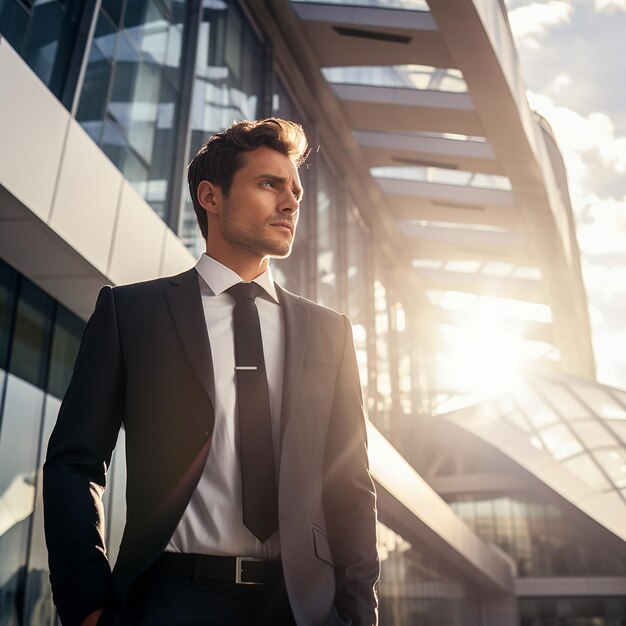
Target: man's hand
pixel 92 618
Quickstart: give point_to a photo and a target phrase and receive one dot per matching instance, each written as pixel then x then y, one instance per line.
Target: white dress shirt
pixel 213 520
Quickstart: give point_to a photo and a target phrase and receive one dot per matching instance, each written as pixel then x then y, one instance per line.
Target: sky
pixel 573 57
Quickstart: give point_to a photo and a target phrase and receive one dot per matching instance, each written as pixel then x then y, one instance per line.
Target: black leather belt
pixel 233 569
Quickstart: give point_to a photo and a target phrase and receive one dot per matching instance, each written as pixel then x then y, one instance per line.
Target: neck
pixel 245 265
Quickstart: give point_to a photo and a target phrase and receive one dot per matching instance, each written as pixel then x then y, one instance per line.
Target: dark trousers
pixel 158 599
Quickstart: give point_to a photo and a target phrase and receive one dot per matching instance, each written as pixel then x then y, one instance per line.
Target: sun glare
pixel 481 357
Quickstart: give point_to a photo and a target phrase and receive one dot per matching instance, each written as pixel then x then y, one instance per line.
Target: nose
pixel 290 202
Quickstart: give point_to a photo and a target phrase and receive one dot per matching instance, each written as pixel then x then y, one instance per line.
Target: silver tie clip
pixel 246 367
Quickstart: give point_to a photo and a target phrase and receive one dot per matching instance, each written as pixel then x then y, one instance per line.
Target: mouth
pixel 287 226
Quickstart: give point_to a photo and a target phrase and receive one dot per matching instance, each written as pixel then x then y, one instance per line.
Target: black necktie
pixel 258 477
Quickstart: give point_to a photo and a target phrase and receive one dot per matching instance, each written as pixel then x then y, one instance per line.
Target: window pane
pixel 19 443
pixel 38 606
pixel 594 434
pixel 614 464
pixel 560 442
pixel 229 83
pixel 8 288
pixel 45 37
pixel 66 338
pixel 358 293
pixel 131 93
pixel 31 342
pixel 600 402
pixel 565 402
pixel 586 470
pixel 327 208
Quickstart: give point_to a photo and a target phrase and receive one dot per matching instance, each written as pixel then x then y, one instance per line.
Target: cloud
pixel 536 18
pixel 608 349
pixel 594 154
pixel 610 5
pixel 560 82
pixel 602 230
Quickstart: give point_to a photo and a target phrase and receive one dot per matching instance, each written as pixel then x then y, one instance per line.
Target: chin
pixel 278 252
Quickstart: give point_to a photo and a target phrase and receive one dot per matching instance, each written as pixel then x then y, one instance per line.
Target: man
pixel 249 499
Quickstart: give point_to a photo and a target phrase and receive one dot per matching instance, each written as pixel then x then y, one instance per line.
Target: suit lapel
pixel 296 317
pixel 183 298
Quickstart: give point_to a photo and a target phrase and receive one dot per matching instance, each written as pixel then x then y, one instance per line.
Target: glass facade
pixel 291 272
pixel 230 81
pixel 540 536
pixel 580 425
pixel 596 611
pixel 131 95
pixel 45 35
pixel 417 588
pixel 327 212
pixel 359 302
pixel 39 340
pixel 382 328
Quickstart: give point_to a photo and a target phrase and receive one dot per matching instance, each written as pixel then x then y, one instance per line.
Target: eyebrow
pixel 281 180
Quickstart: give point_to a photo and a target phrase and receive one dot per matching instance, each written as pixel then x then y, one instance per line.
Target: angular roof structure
pixel 568 432
pixel 468 176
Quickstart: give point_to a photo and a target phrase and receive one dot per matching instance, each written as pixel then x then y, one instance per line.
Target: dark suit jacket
pixel 145 363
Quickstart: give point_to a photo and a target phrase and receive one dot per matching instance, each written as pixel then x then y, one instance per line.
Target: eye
pixel 268 183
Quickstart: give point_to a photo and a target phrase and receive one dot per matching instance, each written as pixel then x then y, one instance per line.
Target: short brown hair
pixel 222 155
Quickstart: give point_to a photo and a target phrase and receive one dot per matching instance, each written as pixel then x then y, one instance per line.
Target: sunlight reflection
pixel 481 356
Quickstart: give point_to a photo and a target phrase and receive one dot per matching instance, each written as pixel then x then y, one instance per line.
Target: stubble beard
pixel 242 234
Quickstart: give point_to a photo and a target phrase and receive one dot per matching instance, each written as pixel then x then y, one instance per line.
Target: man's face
pixel 260 214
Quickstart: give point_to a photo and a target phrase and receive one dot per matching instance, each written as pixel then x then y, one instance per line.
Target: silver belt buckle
pixel 239 561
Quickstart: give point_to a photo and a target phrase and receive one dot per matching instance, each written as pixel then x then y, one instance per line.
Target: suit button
pixel 206 434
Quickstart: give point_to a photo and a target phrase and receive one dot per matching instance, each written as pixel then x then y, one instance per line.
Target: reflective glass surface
pixel 580 425
pixel 359 296
pixel 40 339
pixel 417 588
pixel 543 538
pixel 560 442
pixel 44 35
pixel 291 272
pixel 327 209
pixel 8 293
pixel 400 76
pixel 131 93
pixel 576 419
pixel 443 176
pixel 19 447
pixel 229 83
pixel 591 611
pixel 600 401
pixel 418 5
pixel 594 434
pixel 38 606
pixel 31 334
pixel 382 329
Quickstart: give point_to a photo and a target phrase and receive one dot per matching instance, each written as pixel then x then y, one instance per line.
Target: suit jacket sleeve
pixel 349 497
pixel 79 453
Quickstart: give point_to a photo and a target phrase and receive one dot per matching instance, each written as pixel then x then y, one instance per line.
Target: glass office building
pixel 418 221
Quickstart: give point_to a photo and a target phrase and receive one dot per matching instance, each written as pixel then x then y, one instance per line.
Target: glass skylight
pixel 423 77
pixel 560 442
pixel 370 137
pixel 428 264
pixel 505 308
pixel 412 5
pixel 600 401
pixel 443 176
pixel 413 224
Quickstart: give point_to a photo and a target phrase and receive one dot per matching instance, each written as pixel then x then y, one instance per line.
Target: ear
pixel 209 197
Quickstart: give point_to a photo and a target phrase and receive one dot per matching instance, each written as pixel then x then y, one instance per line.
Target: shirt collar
pixel 219 278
